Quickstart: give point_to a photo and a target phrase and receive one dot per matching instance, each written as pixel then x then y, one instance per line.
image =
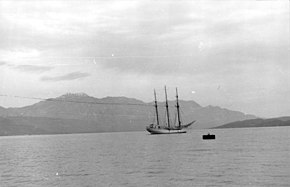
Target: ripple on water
pixel 135 159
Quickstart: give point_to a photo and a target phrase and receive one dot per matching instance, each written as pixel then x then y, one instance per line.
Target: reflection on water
pixel 237 157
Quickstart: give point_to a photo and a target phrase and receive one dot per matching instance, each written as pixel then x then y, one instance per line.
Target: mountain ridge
pixel 109 114
pixel 259 122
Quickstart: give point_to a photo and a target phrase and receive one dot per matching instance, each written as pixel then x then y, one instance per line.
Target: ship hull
pixel 165 131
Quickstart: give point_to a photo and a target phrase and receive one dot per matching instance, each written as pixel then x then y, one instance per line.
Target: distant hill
pixel 3 111
pixel 80 113
pixel 273 122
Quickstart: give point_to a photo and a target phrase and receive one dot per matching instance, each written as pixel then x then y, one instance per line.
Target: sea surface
pixel 237 157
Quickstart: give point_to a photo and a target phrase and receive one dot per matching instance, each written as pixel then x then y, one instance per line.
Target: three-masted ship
pixel 167 128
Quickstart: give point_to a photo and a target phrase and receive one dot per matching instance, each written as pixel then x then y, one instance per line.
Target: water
pixel 238 157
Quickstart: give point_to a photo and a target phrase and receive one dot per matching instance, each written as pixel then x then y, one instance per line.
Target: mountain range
pixel 80 113
pixel 259 122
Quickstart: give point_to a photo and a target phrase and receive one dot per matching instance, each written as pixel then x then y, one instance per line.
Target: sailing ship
pixel 168 128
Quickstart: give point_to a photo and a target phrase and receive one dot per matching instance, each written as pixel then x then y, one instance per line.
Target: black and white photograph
pixel 129 93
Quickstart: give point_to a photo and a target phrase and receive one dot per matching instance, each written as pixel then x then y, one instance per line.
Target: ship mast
pixel 157 118
pixel 178 112
pixel 167 108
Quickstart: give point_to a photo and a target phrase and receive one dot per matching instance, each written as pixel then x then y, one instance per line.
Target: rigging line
pixel 105 57
pixel 93 115
pixel 71 101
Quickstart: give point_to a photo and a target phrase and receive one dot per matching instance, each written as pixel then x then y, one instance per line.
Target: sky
pixel 232 54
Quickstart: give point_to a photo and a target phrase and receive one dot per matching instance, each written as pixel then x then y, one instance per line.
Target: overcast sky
pixel 232 54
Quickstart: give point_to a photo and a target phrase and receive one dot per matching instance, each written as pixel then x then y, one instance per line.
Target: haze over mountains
pixel 80 113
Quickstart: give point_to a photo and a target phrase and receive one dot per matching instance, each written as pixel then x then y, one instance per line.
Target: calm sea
pixel 237 157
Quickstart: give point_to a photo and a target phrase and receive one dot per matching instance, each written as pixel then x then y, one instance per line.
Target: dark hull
pixel 208 137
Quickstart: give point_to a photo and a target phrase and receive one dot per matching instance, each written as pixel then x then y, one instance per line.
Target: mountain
pixel 272 122
pixel 3 111
pixel 79 113
pixel 212 116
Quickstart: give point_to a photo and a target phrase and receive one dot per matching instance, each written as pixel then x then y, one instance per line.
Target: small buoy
pixel 208 136
pixel 56 174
